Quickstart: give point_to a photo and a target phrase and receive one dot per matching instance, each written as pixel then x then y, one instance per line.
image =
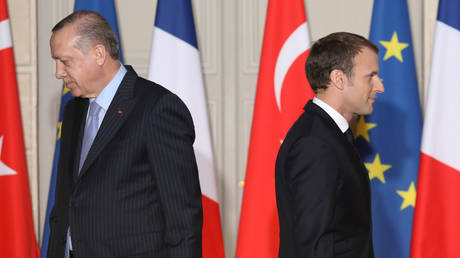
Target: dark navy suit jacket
pixel 322 192
pixel 138 192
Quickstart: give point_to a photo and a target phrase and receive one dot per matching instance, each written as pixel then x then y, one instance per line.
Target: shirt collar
pixel 336 116
pixel 105 97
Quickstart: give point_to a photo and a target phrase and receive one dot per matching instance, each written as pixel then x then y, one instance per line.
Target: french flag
pixel 175 64
pixel 436 230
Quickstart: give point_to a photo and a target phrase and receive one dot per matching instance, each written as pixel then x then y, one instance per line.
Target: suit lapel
pixel 119 110
pixel 312 107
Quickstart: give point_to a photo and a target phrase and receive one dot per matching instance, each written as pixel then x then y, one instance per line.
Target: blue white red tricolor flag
pixel 17 236
pixel 175 64
pixel 282 91
pixel 436 230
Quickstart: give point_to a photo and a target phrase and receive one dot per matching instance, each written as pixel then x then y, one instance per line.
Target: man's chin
pixel 75 93
pixel 367 112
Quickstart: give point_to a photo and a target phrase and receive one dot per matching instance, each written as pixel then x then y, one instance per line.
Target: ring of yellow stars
pixel 362 128
pixel 376 169
pixel 394 47
pixel 408 196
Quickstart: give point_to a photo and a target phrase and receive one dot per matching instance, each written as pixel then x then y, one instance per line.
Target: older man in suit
pixel 322 187
pixel 127 182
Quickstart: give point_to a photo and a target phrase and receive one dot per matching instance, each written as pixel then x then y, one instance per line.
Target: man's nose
pixel 60 71
pixel 379 87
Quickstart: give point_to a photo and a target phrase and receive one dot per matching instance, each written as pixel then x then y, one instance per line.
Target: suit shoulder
pixel 146 87
pixel 308 132
pixel 149 92
pixel 159 99
pixel 306 125
pixel 154 91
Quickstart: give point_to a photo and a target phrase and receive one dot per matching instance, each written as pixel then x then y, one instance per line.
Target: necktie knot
pixel 94 108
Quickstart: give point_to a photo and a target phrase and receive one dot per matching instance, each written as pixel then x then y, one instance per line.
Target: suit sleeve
pixel 312 172
pixel 57 221
pixel 171 155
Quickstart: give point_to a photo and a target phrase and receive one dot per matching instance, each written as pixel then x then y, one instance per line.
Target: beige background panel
pixel 23 30
pixel 430 12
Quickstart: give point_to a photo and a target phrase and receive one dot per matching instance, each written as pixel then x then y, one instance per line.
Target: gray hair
pixel 91 29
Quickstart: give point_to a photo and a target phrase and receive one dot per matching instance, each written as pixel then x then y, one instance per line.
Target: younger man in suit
pixel 127 183
pixel 322 186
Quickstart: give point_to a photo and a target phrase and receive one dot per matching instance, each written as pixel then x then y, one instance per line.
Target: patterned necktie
pixel 349 135
pixel 91 127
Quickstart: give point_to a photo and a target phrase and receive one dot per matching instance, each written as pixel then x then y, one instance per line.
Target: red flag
pixel 17 237
pixel 436 229
pixel 282 91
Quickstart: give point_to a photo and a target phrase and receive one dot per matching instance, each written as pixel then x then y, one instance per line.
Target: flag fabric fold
pixel 107 9
pixel 389 139
pixel 436 224
pixel 282 91
pixel 17 235
pixel 175 64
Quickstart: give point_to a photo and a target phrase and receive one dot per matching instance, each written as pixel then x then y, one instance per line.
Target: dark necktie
pixel 349 135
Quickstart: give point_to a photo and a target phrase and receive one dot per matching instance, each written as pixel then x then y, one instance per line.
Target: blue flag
pixel 389 139
pixel 107 9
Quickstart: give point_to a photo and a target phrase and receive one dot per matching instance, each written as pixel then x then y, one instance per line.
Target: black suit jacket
pixel 322 192
pixel 138 192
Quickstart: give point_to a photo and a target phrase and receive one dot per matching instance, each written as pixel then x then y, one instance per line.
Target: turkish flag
pixel 17 237
pixel 282 91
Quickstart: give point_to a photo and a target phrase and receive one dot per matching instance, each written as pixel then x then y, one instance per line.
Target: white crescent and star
pixel 294 46
pixel 4 169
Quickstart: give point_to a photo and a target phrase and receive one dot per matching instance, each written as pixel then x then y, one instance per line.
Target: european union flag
pixel 389 139
pixel 107 9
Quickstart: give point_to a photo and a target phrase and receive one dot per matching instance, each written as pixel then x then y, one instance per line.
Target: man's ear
pixel 100 54
pixel 337 78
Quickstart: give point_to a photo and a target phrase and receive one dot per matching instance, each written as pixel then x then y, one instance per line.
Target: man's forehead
pixel 366 61
pixel 64 36
pixel 67 32
pixel 365 54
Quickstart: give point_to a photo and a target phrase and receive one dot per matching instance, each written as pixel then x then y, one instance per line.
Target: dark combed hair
pixel 335 51
pixel 91 29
